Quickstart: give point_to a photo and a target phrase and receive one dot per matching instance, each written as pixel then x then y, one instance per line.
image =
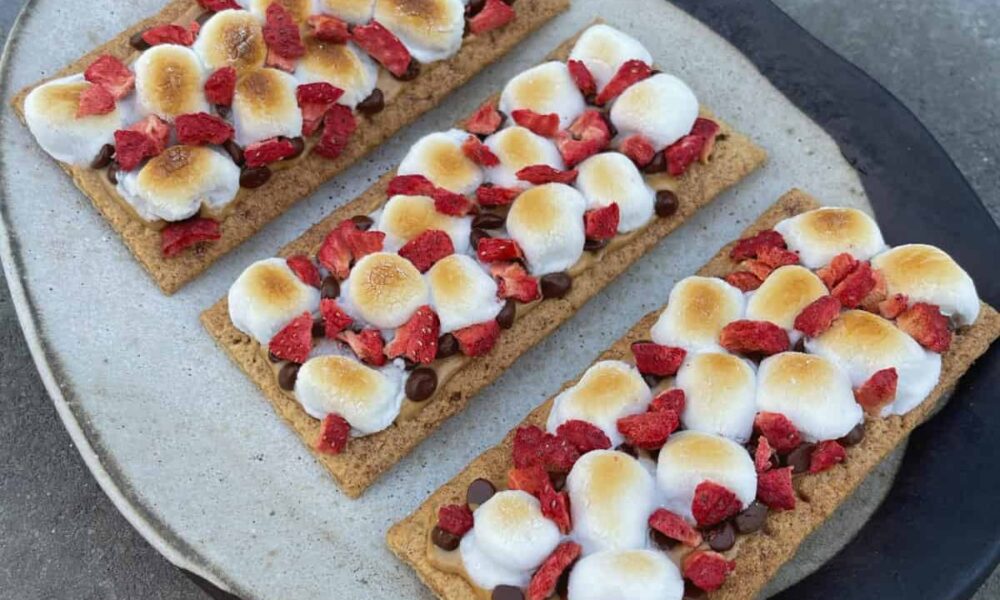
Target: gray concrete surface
pixel 59 535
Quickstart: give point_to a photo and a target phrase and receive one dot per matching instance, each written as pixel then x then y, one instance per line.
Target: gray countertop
pixel 60 536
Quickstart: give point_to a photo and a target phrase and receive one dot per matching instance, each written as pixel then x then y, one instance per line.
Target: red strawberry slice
pixel 220 86
pixel 542 174
pixel 179 236
pixel 491 250
pixel 493 15
pixel 367 345
pixel 513 281
pixel 383 46
pixel 707 569
pixel 631 71
pixel 478 152
pixel 478 339
pixel 168 34
pixel 648 430
pixel 329 29
pixel 335 319
pixel 112 75
pixel 602 223
pixel 427 248
pixel 315 100
pixel 281 33
pixel 202 128
pixel 713 504
pixel 638 148
pixel 338 127
pixel 95 100
pixel 582 77
pixel 304 269
pixel 546 125
pixel 825 455
pixel 583 436
pixel 417 339
pixel 294 341
pixel 656 359
pixel 675 527
pixel 334 433
pixel 268 151
pixel 485 121
pixel 494 195
pixel 750 247
pixel 877 391
pixel 925 323
pixel 780 432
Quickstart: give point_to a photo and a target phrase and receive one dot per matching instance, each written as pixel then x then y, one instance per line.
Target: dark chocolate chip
pixel 627 449
pixel 558 480
pixel 854 436
pixel 234 151
pixel 103 157
pixel 373 104
pixel 299 146
pixel 203 17
pixel 254 177
pixel 409 364
pixel 473 8
pixel 800 346
pixel 556 285
pixel 330 287
pixel 723 537
pixel 271 356
pixel 507 592
pixel 692 591
pixel 113 173
pixel 562 584
pixel 657 165
pixel 447 346
pixel 319 327
pixel 666 203
pixel 751 519
pixel 480 491
pixel 487 220
pixel 363 222
pixel 444 540
pixel 505 318
pixel 137 42
pixel 651 380
pixel 509 2
pixel 595 245
pixel 287 375
pixel 476 235
pixel 798 459
pixel 662 542
pixel 412 70
pixel 421 383
pixel 223 110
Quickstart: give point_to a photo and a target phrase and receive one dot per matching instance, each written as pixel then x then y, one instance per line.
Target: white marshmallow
pixel 605 49
pixel 662 108
pixel 439 158
pixel 265 106
pixel 626 575
pixel 50 111
pixel 170 81
pixel 783 295
pixel 811 391
pixel 356 12
pixel 344 66
pixel 177 183
pixel 691 457
pixel 861 343
pixel 611 497
pixel 612 178
pixel 430 29
pixel 719 390
pixel 405 217
pixel 547 222
pixel 545 89
pixel 608 391
pixel 266 297
pixel 517 148
pixel 367 398
pixel 298 9
pixel 928 274
pixel 697 310
pixel 819 235
pixel 384 289
pixel 462 292
pixel 231 38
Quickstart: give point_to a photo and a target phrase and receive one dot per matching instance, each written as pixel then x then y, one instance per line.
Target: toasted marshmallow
pixel 608 391
pixel 439 158
pixel 298 9
pixel 819 235
pixel 384 289
pixel 50 111
pixel 430 29
pixel 720 390
pixel 545 89
pixel 691 457
pixel 266 296
pixel 510 539
pixel 170 81
pixel 344 66
pixel 547 222
pixel 231 38
pixel 811 391
pixel 174 185
pixel 626 575
pixel 356 12
pixel 783 295
pixel 662 108
pixel 265 106
pixel 604 50
pixel 861 343
pixel 517 148
pixel 462 292
pixel 367 399
pixel 697 310
pixel 612 178
pixel 927 274
pixel 405 217
pixel 611 497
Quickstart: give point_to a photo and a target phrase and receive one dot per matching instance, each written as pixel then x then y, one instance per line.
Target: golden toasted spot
pixel 446 165
pixel 636 563
pixel 605 178
pixel 613 476
pixel 351 380
pixel 237 40
pixel 350 6
pixel 800 373
pixel 784 294
pixel 716 378
pixel 173 82
pixel 179 170
pixel 299 9
pixel 836 224
pixel 641 97
pixel 602 48
pixel 427 16
pixel 537 209
pixel 603 389
pixel 917 264
pixel 449 278
pixel 518 148
pixel 532 89
pixel 385 279
pixel 273 285
pixel 409 216
pixel 511 510
pixel 62 100
pixel 264 92
pixel 703 307
pixel 697 451
pixel 862 331
pixel 336 62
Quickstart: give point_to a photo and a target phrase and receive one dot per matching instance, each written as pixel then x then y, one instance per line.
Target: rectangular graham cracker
pixel 758 555
pixel 252 209
pixel 366 458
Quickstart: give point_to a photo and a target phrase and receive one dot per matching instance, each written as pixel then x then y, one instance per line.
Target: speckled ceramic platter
pixel 192 454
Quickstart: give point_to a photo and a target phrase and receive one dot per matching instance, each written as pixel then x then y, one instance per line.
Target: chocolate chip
pixel 800 346
pixel 562 584
pixel 558 480
pixel 798 459
pixel 480 491
pixel 223 110
pixel 652 380
pixel 319 328
pixel 507 592
pixel 854 436
pixel 203 17
pixel 486 220
pixel 666 203
pixel 287 375
pixel 556 285
pixel 476 235
pixel 657 165
pixel 662 542
pixel 723 537
pixel 509 2
pixel 373 104
pixel 595 245
pixel 447 346
pixel 627 449
pixel 412 70
pixel 103 157
pixel 113 173
pixel 330 287
pixel 692 591
pixel 362 222
pixel 473 8
pixel 505 318
pixel 254 177
pixel 751 519
pixel 299 146
pixel 137 42
pixel 421 383
pixel 444 540
pixel 234 151
pixel 271 356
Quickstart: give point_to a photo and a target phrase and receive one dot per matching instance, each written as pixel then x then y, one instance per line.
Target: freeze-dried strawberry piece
pixel 583 436
pixel 877 294
pixel 534 447
pixel 709 130
pixel 478 152
pixel 544 125
pixel 168 34
pixel 674 527
pixel 713 504
pixel 427 248
pixel 745 281
pixel 155 129
pixel 543 582
pixel 532 479
pixel 762 455
pixel 383 46
pixel 754 337
pixel 315 99
pixel 774 488
pixel 494 14
pixel 602 223
pixel 853 288
pixel 131 148
pixel 582 77
pixel 818 316
pixel 456 519
pixel 217 5
pixel 656 359
pixel 179 236
pixel 478 339
pixel 304 268
pixel 417 339
pixel 877 391
pixel 220 86
pixel 781 434
pixel 513 281
pixel 707 569
pixel 672 400
pixel 335 319
pixel 268 151
pixel 925 323
pixel 410 185
pixel 281 34
pixel 542 174
pixel 775 257
pixel 839 268
pixel 485 121
pixel 758 268
pixel 681 154
pixel 294 341
pixel 329 29
pixel 750 247
pixel 638 148
pixel 491 250
pixel 555 506
pixel 202 128
pixel 277 61
pixel 648 430
pixel 585 137
pixel 334 253
pixel 95 100
pixel 631 71
pixel 334 433
pixel 825 455
pixel 112 75
pixel 367 345
pixel 494 195
pixel 893 306
pixel 451 204
pixel 338 127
